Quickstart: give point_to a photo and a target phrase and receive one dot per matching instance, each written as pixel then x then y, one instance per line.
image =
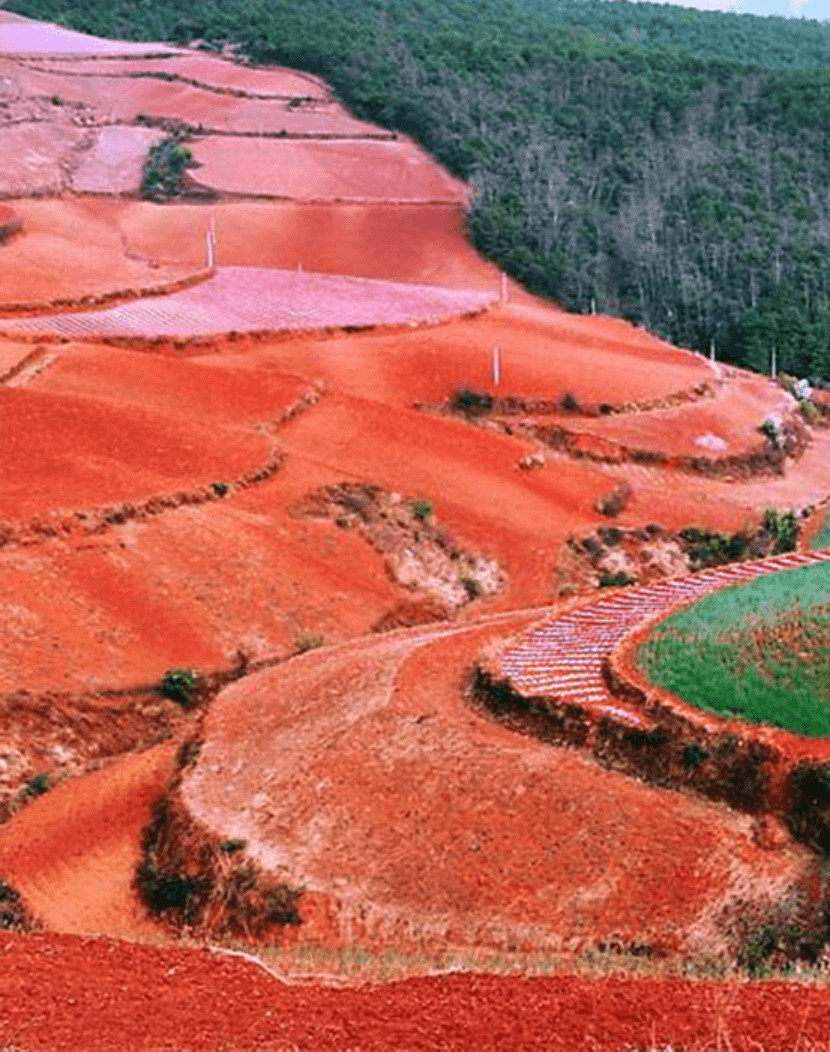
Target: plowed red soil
pixel 34 156
pixel 206 69
pixel 252 299
pixel 415 822
pixel 124 98
pixel 362 170
pixel 732 418
pixel 45 262
pixel 93 453
pixel 87 889
pixel 539 359
pixel 104 995
pixel 395 242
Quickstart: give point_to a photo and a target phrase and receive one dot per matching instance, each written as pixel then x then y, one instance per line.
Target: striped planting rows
pixel 255 299
pixel 563 658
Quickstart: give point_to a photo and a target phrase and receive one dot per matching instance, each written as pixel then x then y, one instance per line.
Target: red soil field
pixel 92 453
pixel 123 98
pixel 714 427
pixel 417 824
pixel 230 398
pixel 422 243
pixel 73 248
pixel 88 889
pixel 207 69
pixel 34 156
pixel 94 995
pixel 539 359
pixel 254 299
pixel 11 356
pixel 323 171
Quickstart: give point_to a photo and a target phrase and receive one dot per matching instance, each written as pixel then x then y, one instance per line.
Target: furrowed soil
pixel 158 491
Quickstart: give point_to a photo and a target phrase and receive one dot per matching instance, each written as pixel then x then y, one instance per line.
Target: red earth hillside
pixel 210 468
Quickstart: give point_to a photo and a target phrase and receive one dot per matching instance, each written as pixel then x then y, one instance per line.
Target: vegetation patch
pixel 760 651
pixel 163 175
pixel 13 913
pixel 419 553
pixel 195 882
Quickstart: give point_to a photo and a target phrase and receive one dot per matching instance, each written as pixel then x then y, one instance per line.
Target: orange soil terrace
pixel 152 498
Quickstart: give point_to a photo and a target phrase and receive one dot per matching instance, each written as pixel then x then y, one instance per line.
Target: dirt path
pixel 72 853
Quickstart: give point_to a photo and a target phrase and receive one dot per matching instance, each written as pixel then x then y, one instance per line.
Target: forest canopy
pixel 667 165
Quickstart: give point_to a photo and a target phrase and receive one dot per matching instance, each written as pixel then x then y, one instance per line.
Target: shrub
pixel 180 685
pixel 615 580
pixel 470 402
pixel 38 785
pixel 784 528
pixel 421 509
pixel 694 754
pixel 774 431
pixel 615 502
pixel 231 846
pixel 306 641
pixel 809 411
pixel 472 587
pixel 220 488
pixel 569 403
pixel 162 177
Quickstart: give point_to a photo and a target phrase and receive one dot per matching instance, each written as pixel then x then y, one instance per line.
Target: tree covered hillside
pixel 771 42
pixel 666 183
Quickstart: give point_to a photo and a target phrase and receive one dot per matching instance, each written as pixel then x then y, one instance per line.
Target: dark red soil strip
pixel 67 993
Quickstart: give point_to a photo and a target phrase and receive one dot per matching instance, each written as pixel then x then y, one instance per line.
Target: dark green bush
pixel 164 168
pixel 421 509
pixel 180 685
pixel 471 403
pixel 615 580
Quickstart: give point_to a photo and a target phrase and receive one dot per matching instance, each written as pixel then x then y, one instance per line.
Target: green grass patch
pixel 760 651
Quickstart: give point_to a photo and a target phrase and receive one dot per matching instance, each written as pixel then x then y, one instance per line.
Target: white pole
pixel 712 348
pixel 503 290
pixel 496 365
pixel 212 242
pixel 209 250
pixel 772 368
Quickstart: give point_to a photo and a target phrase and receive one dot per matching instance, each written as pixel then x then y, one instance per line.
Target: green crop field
pixel 760 651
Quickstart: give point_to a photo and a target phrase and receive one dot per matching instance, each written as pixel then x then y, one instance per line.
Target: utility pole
pixel 496 365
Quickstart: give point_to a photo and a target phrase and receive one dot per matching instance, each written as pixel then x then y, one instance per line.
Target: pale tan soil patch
pixel 43 38
pixel 114 164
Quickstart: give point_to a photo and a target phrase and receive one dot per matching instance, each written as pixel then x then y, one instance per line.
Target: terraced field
pixel 486 786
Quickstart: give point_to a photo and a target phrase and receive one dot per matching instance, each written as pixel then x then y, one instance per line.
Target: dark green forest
pixel 667 165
